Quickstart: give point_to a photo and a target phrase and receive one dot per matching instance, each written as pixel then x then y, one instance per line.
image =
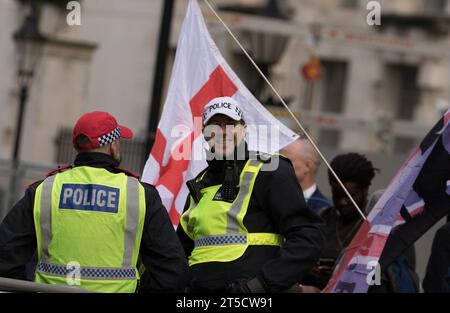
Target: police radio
pixel 194 190
pixel 229 190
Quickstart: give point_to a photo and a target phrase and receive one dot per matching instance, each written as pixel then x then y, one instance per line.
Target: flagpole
pixel 160 69
pixel 286 106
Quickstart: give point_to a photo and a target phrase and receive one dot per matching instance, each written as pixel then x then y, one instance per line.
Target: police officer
pixel 93 224
pixel 245 227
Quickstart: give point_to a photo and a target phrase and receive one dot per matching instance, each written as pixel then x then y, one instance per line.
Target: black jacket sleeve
pixel 17 237
pixel 160 251
pixel 439 263
pixel 186 241
pixel 279 194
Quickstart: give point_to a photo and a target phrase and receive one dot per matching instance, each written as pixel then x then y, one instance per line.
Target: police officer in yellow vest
pixel 245 226
pixel 94 225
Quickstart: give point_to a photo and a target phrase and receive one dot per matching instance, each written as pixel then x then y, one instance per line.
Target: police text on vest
pixel 89 197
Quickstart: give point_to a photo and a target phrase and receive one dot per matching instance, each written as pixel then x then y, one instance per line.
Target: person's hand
pixel 246 286
pixel 238 286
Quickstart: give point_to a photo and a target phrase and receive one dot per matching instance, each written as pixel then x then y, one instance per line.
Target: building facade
pixel 380 89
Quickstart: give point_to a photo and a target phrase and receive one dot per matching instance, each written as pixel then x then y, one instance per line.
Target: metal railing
pixel 15 285
pixel 13 182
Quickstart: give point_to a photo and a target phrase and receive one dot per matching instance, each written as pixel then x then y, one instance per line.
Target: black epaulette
pixel 195 186
pixel 266 157
pixel 126 172
pixel 60 169
pixel 282 156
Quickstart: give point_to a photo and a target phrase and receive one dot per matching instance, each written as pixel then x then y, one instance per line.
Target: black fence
pixel 13 182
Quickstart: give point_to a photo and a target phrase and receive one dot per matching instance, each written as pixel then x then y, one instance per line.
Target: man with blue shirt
pixel 306 162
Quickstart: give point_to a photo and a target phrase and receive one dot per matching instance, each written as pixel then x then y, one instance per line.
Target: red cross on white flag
pixel 200 74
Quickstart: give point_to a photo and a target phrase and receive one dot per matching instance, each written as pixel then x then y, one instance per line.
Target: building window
pixel 434 6
pixel 329 138
pixel 134 152
pixel 405 92
pixel 246 73
pixel 334 85
pixel 404 145
pixel 353 4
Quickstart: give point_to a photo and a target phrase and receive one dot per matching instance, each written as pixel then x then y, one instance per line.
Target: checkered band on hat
pixel 110 137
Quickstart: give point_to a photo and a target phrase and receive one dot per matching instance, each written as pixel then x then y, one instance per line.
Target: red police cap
pixel 100 128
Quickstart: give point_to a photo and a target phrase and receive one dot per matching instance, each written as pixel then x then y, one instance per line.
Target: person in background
pixel 437 278
pixel 343 220
pixel 306 162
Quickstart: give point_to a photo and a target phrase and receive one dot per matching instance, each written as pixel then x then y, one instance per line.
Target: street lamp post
pixel 29 41
pixel 160 69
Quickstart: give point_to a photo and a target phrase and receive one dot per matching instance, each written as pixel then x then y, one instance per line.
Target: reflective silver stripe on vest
pixel 236 207
pixel 46 215
pixel 221 240
pixel 100 273
pixel 132 218
pixel 132 222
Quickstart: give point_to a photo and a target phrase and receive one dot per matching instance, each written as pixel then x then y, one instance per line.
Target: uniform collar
pixel 96 159
pixel 218 165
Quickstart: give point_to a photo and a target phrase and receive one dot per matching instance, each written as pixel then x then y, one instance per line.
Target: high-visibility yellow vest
pixel 217 227
pixel 89 225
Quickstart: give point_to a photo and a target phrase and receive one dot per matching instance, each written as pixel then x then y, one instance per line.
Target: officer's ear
pixel 309 164
pixel 242 126
pixel 114 148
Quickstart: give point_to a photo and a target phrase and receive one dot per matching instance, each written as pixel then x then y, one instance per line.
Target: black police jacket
pixel 160 251
pixel 276 206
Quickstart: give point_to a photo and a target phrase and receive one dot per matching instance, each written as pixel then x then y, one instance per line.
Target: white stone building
pixel 393 75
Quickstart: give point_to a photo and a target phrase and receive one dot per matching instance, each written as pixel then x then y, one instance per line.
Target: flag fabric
pixel 417 197
pixel 200 74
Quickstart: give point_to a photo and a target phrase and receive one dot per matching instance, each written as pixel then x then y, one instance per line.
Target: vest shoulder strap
pixel 266 157
pixel 60 169
pixel 200 175
pixel 128 173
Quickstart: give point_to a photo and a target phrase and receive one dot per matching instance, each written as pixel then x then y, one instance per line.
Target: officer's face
pixel 223 134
